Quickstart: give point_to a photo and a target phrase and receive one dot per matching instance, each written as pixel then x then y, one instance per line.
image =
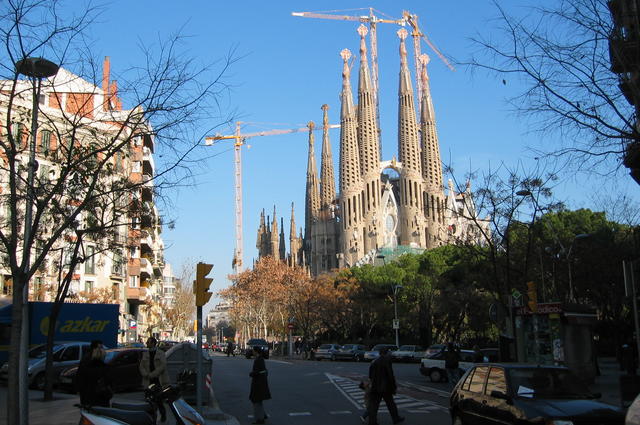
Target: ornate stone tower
pixel 368 141
pixel 350 176
pixel 274 248
pixel 411 212
pixel 312 195
pixel 433 196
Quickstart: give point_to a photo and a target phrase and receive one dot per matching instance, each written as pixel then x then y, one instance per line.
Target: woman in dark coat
pixel 94 384
pixel 259 386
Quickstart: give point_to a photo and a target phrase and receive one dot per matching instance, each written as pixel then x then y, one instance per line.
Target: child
pixel 366 387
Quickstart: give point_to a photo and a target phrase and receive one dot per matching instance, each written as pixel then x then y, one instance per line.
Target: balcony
pixel 147 142
pixel 146 270
pixel 138 295
pixel 147 161
pixel 624 54
pixel 146 239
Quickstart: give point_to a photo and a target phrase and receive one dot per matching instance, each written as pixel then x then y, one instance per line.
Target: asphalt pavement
pixel 312 392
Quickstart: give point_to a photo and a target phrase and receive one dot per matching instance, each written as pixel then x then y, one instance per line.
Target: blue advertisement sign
pixel 76 322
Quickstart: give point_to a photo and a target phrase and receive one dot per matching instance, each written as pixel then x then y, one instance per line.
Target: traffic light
pixel 532 295
pixel 202 283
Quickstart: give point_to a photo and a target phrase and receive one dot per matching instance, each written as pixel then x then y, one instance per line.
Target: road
pixel 312 392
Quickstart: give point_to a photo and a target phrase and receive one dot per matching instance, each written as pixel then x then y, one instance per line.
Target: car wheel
pixel 457 420
pixel 435 375
pixel 39 381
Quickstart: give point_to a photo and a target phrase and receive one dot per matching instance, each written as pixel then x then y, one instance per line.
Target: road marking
pixel 356 396
pixel 340 412
pixel 279 361
pixel 425 389
pixel 299 413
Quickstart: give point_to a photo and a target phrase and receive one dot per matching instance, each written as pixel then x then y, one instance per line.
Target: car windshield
pixel 406 348
pixel 40 352
pixel 379 346
pixel 257 342
pixel 546 383
pixel 348 347
pixel 110 356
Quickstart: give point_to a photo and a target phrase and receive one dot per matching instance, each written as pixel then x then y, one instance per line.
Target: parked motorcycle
pixel 143 413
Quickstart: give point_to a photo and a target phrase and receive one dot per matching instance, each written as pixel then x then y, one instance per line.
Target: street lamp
pixel 395 313
pixel 36 69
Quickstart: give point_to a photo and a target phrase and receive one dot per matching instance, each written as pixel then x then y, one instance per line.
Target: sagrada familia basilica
pixel 383 208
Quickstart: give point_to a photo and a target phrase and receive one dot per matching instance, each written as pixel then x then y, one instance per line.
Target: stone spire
pixel 350 176
pixel 412 216
pixel 283 247
pixel 327 176
pixel 294 242
pixel 275 243
pixel 431 164
pixel 312 198
pixel 369 145
pixel 261 236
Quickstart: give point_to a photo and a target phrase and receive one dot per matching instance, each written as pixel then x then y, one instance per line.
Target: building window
pixel 88 286
pixel 117 266
pixel 45 141
pixel 38 289
pixel 90 260
pixel 133 281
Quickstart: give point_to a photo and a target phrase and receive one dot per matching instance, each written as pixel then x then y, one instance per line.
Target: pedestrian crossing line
pixel 355 395
pixel 340 412
pixel 299 413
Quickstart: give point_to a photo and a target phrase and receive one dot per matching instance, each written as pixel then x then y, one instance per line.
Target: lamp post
pixel 36 69
pixel 395 313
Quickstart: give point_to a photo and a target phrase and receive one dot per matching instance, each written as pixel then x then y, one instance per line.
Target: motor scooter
pixel 143 413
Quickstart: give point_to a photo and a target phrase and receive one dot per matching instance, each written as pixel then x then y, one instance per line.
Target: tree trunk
pixel 13 389
pixel 48 370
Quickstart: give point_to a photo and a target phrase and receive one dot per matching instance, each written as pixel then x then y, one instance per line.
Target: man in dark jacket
pixel 451 363
pixel 259 386
pixel 383 386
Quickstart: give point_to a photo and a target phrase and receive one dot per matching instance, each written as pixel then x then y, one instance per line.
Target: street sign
pixel 515 294
pixel 396 323
pixel 290 326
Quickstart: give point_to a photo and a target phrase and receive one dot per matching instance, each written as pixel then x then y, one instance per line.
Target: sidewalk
pixel 61 411
pixel 608 383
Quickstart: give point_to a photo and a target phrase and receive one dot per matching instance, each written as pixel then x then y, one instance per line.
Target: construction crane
pixel 240 140
pixel 373 20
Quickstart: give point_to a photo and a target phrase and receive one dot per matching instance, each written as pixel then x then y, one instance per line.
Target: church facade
pixel 382 208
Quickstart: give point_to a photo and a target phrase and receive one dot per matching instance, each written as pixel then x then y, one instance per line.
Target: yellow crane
pixel 373 20
pixel 240 140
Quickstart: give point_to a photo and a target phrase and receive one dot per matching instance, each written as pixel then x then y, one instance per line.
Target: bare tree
pixel 559 56
pixel 82 186
pixel 181 313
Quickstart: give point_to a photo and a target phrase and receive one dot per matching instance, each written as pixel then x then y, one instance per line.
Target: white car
pixel 409 353
pixel 433 366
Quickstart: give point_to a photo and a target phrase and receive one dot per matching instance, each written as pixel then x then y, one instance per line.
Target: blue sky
pixel 290 66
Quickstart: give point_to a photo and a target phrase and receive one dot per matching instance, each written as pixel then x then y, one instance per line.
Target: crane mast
pixel 239 140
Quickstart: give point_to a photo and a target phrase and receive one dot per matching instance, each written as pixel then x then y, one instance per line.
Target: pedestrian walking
pixel 365 386
pixel 153 368
pixel 93 381
pixel 451 362
pixel 230 349
pixel 383 386
pixel 259 386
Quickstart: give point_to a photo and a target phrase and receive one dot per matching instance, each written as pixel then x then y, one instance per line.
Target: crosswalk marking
pixel 355 395
pixel 340 412
pixel 299 413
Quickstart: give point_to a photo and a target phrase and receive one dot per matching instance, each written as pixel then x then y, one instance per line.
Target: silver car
pixel 65 355
pixel 327 351
pixel 375 351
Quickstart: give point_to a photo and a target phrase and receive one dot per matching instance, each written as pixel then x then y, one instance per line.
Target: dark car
pixel 123 370
pixel 257 342
pixel 495 393
pixel 353 352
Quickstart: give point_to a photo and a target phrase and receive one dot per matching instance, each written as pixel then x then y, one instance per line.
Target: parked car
pixel 435 349
pixel 65 355
pixel 164 345
pixel 123 369
pixel 353 352
pixel 433 366
pixel 408 353
pixel 327 351
pixel 374 353
pixel 253 342
pixel 507 394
